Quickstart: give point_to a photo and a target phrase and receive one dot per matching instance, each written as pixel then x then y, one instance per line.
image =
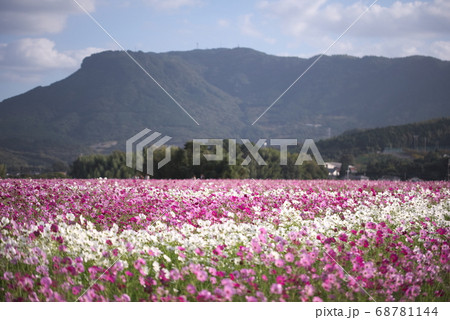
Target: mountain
pixel 109 99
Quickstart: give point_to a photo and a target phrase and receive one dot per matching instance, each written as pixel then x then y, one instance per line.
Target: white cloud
pixel 27 58
pixel 171 4
pixel 402 28
pixel 247 28
pixel 32 17
pixel 440 49
pixel 33 54
pixel 303 17
pixel 224 23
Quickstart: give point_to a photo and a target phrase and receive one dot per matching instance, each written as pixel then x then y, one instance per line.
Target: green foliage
pixel 2 170
pixel 181 166
pixel 432 134
pixel 105 166
pixel 431 166
pixel 60 166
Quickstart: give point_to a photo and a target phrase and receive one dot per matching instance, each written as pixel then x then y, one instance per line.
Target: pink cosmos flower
pixel 79 267
pixel 281 280
pixel 43 270
pixel 128 273
pixel 276 288
pixel 317 299
pixel 204 295
pixel 27 283
pixel 202 276
pixel 256 246
pixel 175 274
pixel 139 263
pixel 212 271
pixel 326 285
pixel 220 274
pixel 228 292
pixel 309 290
pixel 393 257
pixel 413 291
pixel 124 298
pixel 46 282
pixel 76 290
pixel 191 289
pixel 289 257
pixel 33 297
pixel 279 263
pixel 261 296
pixel 371 225
pixel 199 252
pixel 262 237
pixel 8 276
pixel 280 247
pixel 305 260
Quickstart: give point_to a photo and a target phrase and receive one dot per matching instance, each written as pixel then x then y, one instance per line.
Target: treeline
pixel 432 166
pixel 181 165
pixel 424 136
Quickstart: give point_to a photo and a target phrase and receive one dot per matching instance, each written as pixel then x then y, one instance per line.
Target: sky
pixel 43 41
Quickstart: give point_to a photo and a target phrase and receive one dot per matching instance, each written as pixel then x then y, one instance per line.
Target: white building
pixel 333 168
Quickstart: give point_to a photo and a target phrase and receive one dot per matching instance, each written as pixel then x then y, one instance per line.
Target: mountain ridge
pixel 109 99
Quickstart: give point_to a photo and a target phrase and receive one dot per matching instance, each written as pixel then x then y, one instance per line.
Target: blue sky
pixel 45 41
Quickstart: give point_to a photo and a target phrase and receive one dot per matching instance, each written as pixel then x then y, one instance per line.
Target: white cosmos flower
pixel 80 238
pixel 144 270
pixel 156 267
pixel 4 221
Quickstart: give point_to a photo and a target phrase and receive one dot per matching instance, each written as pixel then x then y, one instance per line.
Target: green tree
pixel 60 166
pixel 2 170
pixel 96 166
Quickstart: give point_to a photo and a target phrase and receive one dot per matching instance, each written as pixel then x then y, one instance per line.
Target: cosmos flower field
pixel 224 240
